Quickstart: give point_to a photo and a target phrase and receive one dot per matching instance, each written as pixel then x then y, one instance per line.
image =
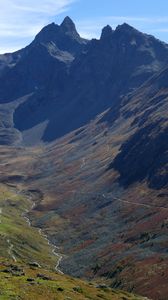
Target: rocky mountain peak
pixel 65 37
pixel 54 32
pixel 69 28
pixel 125 27
pixel 47 34
pixel 106 32
pixel 68 24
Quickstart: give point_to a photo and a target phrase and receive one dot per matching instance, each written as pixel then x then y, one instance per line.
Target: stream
pixel 54 248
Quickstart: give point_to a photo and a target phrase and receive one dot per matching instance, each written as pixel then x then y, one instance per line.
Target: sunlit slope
pixel 27 263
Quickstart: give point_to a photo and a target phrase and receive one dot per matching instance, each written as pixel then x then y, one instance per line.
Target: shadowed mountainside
pixel 97 79
pixel 70 80
pixel 145 154
pixel 102 182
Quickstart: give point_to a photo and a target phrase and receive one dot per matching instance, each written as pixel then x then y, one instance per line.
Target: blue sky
pixel 21 20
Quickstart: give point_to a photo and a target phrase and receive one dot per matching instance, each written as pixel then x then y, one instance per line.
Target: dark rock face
pixel 52 50
pixel 65 36
pixel 9 60
pixel 59 83
pixel 106 33
pixel 72 80
pixel 144 156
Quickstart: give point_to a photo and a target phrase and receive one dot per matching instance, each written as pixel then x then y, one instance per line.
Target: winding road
pixel 117 198
pixel 138 204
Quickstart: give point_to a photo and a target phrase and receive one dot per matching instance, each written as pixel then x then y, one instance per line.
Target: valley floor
pixel 27 261
pixel 105 232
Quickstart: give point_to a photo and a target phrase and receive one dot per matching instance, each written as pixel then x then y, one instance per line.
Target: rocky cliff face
pixel 52 50
pixel 70 87
pixel 61 82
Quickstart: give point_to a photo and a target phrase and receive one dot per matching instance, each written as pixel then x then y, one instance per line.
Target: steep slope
pixel 102 187
pixel 27 262
pixel 24 282
pixel 46 76
pixel 37 72
pixel 110 221
pixel 9 60
pixel 52 50
pixel 65 36
pixel 145 153
pixel 67 92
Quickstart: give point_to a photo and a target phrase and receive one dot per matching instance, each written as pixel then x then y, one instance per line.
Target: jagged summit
pixel 54 32
pixel 126 28
pixel 68 24
pixel 64 36
pixel 121 30
pixel 106 32
pixel 94 115
pixel 69 28
pixel 48 33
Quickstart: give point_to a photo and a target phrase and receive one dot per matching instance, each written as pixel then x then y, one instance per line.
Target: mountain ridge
pixel 84 124
pixel 108 68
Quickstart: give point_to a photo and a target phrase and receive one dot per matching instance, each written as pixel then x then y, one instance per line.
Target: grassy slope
pixel 110 236
pixel 27 243
pixel 20 281
pixel 30 286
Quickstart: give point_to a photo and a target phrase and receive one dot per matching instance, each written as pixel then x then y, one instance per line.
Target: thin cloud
pixel 24 18
pixel 93 27
pixel 6 49
pixel 46 6
pixel 118 19
pixel 139 19
pixel 159 30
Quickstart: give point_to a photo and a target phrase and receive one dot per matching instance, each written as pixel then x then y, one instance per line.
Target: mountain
pixel 37 72
pixel 62 75
pixel 144 154
pixel 106 70
pixel 51 51
pixel 95 115
pixel 65 36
